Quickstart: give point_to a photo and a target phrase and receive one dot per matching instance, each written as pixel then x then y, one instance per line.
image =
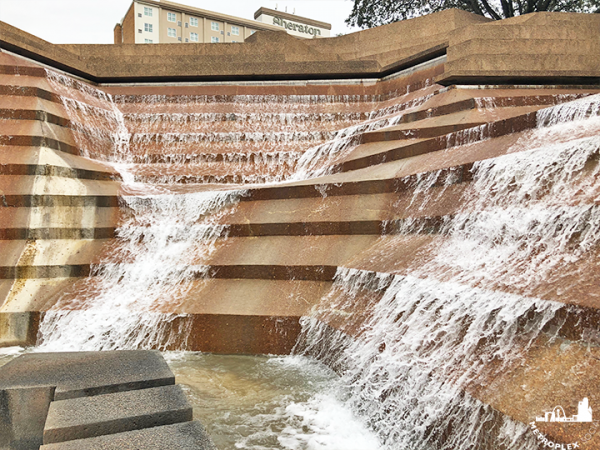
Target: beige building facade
pixel 164 22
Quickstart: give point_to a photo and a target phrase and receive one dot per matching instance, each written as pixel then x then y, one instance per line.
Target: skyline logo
pixel 557 414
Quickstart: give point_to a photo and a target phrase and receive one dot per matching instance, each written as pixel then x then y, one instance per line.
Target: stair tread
pixel 186 435
pixel 98 415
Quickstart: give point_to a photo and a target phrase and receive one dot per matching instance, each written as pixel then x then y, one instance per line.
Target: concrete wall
pixel 128 29
pixel 530 49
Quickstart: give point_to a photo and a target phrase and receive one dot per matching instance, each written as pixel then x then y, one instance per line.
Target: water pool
pixel 264 402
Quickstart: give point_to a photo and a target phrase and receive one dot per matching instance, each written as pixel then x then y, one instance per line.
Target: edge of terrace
pixel 539 48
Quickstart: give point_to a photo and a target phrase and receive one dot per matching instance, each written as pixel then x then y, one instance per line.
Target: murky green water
pixel 261 402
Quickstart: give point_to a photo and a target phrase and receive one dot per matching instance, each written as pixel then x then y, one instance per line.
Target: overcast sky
pixel 92 21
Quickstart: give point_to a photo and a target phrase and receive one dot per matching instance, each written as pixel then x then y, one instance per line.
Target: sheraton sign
pixel 292 26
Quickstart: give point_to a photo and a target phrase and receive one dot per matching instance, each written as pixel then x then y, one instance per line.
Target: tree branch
pixel 475 7
pixel 491 10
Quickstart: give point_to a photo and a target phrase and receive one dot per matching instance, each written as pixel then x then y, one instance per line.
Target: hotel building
pixel 164 22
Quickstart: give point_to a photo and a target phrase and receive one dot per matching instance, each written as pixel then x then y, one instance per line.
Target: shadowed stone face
pixel 23 413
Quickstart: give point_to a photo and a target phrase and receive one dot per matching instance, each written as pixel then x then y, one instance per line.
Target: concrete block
pixel 188 436
pixel 23 413
pixel 81 374
pixel 86 417
pixel 18 328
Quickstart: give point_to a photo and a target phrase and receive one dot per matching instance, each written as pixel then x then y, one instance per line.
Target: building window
pixel 172 17
pixel 148 41
pixel 235 31
pixel 171 32
pixel 193 21
pixel 214 26
pixel 147 11
pixel 214 39
pixel 233 42
pixel 194 37
pixel 252 32
pixel 148 27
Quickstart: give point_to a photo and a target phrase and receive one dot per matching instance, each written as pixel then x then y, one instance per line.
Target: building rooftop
pixel 178 7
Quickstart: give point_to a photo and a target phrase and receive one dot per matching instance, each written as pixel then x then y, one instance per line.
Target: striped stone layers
pixel 56 207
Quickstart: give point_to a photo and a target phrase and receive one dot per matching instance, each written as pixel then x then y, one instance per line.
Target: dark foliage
pixel 371 13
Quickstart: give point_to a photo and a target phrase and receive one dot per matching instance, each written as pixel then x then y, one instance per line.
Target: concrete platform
pixel 100 415
pixel 81 374
pixel 188 435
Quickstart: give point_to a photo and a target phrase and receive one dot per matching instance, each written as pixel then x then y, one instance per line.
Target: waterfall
pixel 415 344
pixel 423 342
pixel 412 345
pixel 161 249
pixel 161 245
pixel 317 160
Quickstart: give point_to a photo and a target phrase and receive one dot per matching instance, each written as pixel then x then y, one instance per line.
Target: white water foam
pixel 161 251
pixel 432 335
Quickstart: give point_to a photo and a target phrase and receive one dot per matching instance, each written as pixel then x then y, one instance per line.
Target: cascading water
pixel 317 160
pixel 162 244
pixel 161 249
pixel 430 332
pixel 424 338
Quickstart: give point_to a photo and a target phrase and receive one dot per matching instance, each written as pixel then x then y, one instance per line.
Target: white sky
pixel 92 21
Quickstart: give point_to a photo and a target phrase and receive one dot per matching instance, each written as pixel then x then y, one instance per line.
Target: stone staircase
pixel 123 399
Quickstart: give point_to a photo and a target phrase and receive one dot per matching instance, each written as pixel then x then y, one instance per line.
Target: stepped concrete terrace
pixel 429 97
pixel 118 399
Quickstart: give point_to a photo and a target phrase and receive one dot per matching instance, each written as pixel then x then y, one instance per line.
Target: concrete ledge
pixel 30 114
pixel 57 397
pixel 58 271
pixel 28 91
pixel 457 174
pixel 38 141
pixel 83 374
pixel 81 418
pixel 390 134
pixel 188 435
pixel 11 234
pixel 341 228
pixel 467 135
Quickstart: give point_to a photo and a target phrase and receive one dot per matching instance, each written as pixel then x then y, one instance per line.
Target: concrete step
pixel 86 417
pixel 79 374
pixel 187 435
